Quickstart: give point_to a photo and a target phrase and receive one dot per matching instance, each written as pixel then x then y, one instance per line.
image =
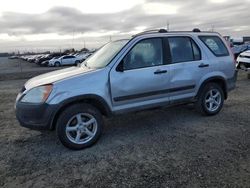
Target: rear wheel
pixel 211 99
pixel 79 126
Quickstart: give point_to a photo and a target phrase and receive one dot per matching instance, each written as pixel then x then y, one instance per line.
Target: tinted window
pixel 183 49
pixel 215 44
pixel 146 53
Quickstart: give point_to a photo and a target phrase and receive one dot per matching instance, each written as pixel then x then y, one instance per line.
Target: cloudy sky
pixel 58 24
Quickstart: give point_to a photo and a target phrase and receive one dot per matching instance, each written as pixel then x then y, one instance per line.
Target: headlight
pixel 38 94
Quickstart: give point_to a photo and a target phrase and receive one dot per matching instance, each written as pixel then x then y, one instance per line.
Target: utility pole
pixel 168 26
pixel 212 28
pixel 73 37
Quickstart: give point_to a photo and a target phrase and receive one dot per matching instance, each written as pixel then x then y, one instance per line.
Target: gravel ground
pixel 173 147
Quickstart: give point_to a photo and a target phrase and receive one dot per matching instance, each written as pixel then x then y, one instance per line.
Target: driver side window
pixel 146 53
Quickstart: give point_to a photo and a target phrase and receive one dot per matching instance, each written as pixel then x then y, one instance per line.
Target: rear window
pixel 215 45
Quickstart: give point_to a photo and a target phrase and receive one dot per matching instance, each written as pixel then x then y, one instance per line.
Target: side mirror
pixel 120 67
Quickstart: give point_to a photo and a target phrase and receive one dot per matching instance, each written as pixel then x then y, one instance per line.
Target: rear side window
pixel 215 45
pixel 183 49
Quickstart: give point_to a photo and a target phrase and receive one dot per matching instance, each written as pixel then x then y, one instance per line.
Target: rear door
pixel 145 79
pixel 219 54
pixel 188 65
pixel 71 60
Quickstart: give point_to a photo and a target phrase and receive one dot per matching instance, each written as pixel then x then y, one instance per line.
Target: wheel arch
pixel 216 79
pixel 95 100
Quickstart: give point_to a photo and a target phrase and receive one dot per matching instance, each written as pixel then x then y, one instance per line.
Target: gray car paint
pixel 107 83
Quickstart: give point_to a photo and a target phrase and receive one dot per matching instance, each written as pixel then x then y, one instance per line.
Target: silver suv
pixel 152 69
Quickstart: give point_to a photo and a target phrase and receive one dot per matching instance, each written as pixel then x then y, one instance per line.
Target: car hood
pixel 246 53
pixel 54 76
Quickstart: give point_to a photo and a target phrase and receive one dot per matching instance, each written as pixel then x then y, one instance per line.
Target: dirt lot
pixel 174 147
pixel 11 69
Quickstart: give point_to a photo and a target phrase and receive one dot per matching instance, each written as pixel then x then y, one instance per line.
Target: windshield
pixel 105 54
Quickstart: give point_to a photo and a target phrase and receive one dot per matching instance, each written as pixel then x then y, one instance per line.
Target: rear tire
pixel 79 126
pixel 210 100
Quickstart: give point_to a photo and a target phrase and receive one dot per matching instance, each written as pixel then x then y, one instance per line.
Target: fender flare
pixel 215 79
pixel 93 99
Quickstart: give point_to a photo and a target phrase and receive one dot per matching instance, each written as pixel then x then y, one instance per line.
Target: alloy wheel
pixel 81 128
pixel 213 100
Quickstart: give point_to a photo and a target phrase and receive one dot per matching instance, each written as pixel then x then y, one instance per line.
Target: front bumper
pixel 243 65
pixel 35 116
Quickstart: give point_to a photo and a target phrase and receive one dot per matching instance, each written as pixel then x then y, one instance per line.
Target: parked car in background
pixel 42 58
pixel 243 60
pixel 239 49
pixel 64 60
pixel 152 69
pixel 82 57
pixel 43 61
pixel 13 57
pixel 33 58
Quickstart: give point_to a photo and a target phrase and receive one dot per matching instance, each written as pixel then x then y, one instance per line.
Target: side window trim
pixel 162 46
pixel 191 42
pixel 167 56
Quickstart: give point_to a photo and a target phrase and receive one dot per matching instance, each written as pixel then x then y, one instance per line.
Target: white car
pixel 243 60
pixel 64 60
pixel 82 57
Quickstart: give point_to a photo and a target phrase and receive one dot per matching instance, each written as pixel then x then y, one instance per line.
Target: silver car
pixel 152 69
pixel 64 60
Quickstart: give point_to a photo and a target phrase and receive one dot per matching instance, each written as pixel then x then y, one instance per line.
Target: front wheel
pixel 79 126
pixel 211 99
pixel 57 64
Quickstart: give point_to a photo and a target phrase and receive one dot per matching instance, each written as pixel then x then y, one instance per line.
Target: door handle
pixel 203 65
pixel 160 71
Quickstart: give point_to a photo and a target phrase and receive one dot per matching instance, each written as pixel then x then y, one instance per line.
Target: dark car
pixel 45 59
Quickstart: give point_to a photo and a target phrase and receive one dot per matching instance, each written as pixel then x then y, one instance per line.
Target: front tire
pixel 211 99
pixel 57 64
pixel 79 126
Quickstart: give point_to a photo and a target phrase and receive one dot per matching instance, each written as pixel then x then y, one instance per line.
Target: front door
pixel 144 80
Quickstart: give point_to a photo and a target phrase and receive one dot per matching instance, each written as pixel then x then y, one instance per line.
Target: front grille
pixel 247 65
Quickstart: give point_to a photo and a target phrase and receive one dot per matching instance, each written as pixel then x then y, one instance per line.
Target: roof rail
pixel 151 31
pixel 196 30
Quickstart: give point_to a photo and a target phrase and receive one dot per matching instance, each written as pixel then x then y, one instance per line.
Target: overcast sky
pixel 59 24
